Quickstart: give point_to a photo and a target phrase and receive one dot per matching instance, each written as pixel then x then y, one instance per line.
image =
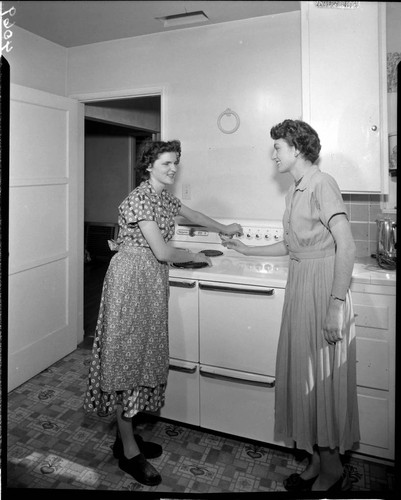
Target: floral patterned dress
pixel 130 354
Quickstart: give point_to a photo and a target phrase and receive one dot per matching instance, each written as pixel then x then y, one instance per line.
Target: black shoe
pixel 140 469
pixel 296 483
pixel 147 448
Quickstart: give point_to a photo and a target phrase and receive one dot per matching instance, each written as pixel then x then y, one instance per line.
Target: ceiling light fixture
pixel 182 19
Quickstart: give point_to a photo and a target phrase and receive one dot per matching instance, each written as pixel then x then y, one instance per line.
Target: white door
pixel 45 231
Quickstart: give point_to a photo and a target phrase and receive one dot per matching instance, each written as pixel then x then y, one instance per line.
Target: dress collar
pixel 151 191
pixel 304 181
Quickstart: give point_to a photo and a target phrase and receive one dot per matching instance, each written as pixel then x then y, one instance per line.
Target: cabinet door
pixel 344 91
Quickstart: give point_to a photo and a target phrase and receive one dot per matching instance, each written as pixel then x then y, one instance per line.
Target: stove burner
pixel 190 265
pixel 212 253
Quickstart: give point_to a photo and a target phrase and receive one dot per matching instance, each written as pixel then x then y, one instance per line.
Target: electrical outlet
pixel 186 191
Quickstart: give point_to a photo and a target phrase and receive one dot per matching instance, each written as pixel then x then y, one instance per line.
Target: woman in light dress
pixel 316 399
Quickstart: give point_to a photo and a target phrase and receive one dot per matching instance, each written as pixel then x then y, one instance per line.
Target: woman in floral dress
pixel 130 355
pixel 316 399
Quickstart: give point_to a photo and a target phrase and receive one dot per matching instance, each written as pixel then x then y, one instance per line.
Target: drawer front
pixel 238 407
pixel 371 316
pixel 182 393
pixel 372 366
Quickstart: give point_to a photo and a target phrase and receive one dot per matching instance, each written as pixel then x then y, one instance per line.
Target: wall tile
pixel 372 247
pixel 362 248
pixel 360 198
pixel 374 211
pixel 363 210
pixel 360 212
pixel 372 231
pixel 360 231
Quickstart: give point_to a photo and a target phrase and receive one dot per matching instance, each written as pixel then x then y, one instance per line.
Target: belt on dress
pixel 134 249
pixel 313 254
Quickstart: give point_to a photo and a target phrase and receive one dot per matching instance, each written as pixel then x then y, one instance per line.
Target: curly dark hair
pixel 150 151
pixel 300 135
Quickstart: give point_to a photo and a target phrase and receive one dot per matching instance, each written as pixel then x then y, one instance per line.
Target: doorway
pixel 114 132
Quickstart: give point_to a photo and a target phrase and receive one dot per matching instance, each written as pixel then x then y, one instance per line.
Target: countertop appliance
pixel 224 324
pixel 386 252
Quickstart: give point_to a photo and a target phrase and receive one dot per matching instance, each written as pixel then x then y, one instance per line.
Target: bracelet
pixel 337 298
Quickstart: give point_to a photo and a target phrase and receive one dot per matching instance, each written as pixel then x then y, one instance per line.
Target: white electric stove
pixel 231 266
pixel 224 324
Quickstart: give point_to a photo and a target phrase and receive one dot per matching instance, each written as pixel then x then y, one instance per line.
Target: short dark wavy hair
pixel 150 151
pixel 300 135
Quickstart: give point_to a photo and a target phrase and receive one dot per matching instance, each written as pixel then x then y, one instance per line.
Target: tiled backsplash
pixel 363 210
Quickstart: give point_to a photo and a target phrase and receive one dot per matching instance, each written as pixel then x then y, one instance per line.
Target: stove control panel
pixel 262 235
pixel 256 232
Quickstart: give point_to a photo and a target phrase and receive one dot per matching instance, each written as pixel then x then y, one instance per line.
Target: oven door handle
pixel 249 378
pixel 183 284
pixel 237 289
pixel 182 366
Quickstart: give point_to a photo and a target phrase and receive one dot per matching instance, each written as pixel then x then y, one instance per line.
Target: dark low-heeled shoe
pixel 140 469
pixel 296 483
pixel 149 449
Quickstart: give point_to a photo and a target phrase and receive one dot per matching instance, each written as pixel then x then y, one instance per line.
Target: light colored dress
pixel 316 399
pixel 130 355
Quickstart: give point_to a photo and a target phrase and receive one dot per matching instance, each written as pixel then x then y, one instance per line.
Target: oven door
pixel 239 326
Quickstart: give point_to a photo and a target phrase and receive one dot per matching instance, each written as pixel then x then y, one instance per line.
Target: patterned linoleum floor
pixel 53 444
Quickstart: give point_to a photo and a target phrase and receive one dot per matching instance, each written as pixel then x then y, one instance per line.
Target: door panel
pixel 45 236
pixel 41 211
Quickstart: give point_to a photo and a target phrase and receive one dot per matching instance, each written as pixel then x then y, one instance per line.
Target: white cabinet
pixel 344 91
pixel 374 308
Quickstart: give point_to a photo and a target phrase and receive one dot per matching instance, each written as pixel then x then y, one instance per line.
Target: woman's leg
pixel 313 468
pixel 127 434
pixel 132 461
pixel 331 469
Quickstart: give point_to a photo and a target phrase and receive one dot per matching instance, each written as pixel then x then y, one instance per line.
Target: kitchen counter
pixel 367 271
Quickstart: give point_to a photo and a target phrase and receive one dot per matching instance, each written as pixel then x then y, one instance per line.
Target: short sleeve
pixel 328 198
pixel 137 207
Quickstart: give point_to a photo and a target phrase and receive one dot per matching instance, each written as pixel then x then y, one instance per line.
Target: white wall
pixel 251 67
pixel 37 63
